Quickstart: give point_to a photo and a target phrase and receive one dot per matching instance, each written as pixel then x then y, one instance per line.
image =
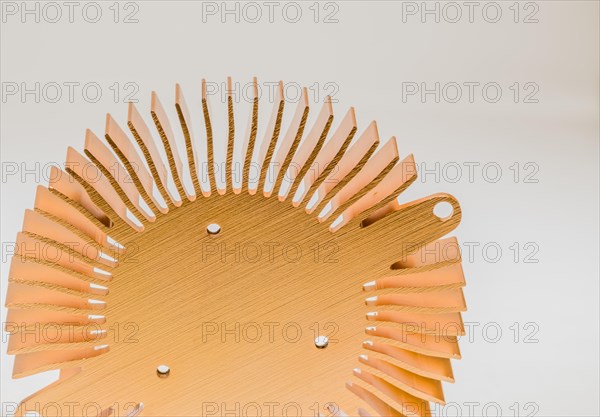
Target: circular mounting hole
pixel 443 210
pixel 163 371
pixel 213 229
pixel 321 342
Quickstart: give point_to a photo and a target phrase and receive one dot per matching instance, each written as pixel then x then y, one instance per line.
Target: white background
pixel 369 54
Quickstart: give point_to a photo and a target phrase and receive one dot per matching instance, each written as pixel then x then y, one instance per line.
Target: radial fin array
pixel 339 174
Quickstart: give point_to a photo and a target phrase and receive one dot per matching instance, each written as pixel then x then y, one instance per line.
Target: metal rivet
pixel 321 342
pixel 163 371
pixel 213 229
